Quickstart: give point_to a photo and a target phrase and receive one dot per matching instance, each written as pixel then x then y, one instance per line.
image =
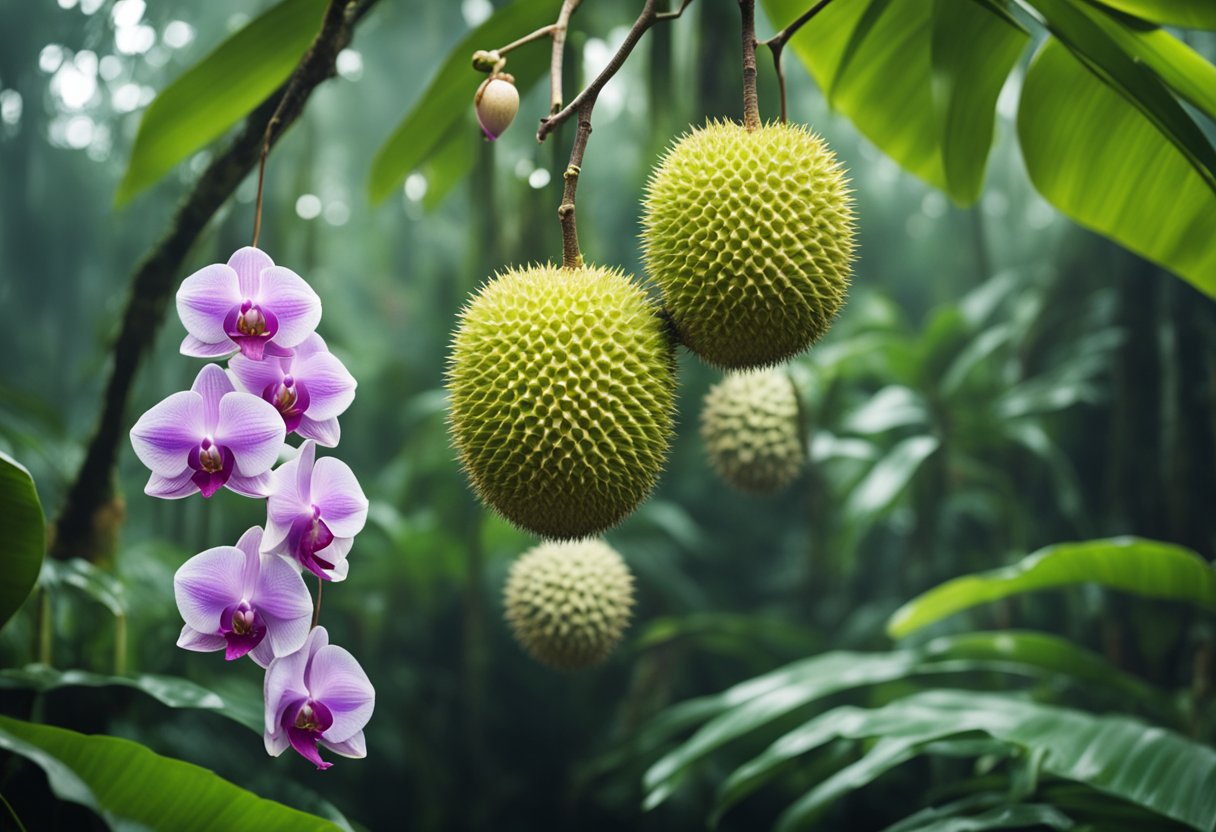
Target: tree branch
pixel 778 41
pixel 77 532
pixel 751 101
pixel 583 104
pixel 559 49
pixel 645 20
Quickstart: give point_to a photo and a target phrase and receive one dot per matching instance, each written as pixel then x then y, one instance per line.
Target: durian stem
pixel 572 256
pixel 751 101
pixel 778 41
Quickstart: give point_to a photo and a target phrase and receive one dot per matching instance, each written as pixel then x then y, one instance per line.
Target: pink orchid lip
pixel 251 328
pixel 309 534
pixel 243 628
pixel 306 721
pixel 290 397
pixel 212 464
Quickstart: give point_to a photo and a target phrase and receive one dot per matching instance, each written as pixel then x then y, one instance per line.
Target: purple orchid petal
pixel 207 584
pixel 248 263
pixel 195 348
pixel 310 346
pixel 203 300
pixel 209 476
pixel 276 743
pixel 256 376
pixel 250 545
pixel 342 502
pixel 326 432
pixel 292 301
pixel 306 461
pixel 257 487
pixel 335 678
pixel 330 384
pixel 212 383
pixel 252 430
pixel 273 350
pixel 243 629
pixel 305 743
pixel 192 639
pixel 354 747
pixel 285 604
pixel 284 684
pixel 171 488
pixel 165 434
pixel 285 503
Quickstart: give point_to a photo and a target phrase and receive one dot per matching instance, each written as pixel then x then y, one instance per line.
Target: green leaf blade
pixel 134 788
pixel 218 91
pixel 25 535
pixel 1135 565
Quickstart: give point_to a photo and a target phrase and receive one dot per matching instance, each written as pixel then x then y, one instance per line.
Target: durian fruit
pixel 562 389
pixel 752 430
pixel 569 603
pixel 749 235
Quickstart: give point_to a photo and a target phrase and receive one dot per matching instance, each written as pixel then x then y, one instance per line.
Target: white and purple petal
pixel 163 437
pixel 336 491
pixel 212 383
pixel 325 432
pixel 204 299
pixel 292 301
pixel 248 263
pixel 354 747
pixel 196 348
pixel 252 429
pixel 207 584
pixel 335 678
pixel 192 639
pixel 172 488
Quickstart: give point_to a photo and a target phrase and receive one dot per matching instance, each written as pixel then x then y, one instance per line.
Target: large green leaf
pixel 1120 756
pixel 134 788
pixel 448 98
pixel 1088 34
pixel 168 690
pixel 1130 564
pixel 919 79
pixel 954 818
pixel 1195 14
pixel 758 703
pixel 24 535
pixel 219 91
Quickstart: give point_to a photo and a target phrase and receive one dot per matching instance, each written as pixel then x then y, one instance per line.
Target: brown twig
pixel 559 49
pixel 751 100
pixel 645 20
pixel 583 104
pixel 154 279
pixel 778 41
pixel 572 256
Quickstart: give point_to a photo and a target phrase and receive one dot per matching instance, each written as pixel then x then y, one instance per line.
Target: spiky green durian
pixel 752 430
pixel 749 235
pixel 569 603
pixel 563 394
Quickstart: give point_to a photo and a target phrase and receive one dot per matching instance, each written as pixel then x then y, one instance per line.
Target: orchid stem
pixel 316 610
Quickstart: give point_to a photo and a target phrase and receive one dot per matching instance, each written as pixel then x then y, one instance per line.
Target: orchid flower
pixel 316 508
pixel 208 437
pixel 310 388
pixel 318 694
pixel 235 599
pixel 249 304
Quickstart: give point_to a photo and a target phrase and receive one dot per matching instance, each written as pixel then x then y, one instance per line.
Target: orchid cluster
pixel 228 431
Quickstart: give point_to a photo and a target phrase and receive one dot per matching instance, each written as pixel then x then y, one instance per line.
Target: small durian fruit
pixel 749 235
pixel 752 430
pixel 569 603
pixel 562 387
pixel 496 102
